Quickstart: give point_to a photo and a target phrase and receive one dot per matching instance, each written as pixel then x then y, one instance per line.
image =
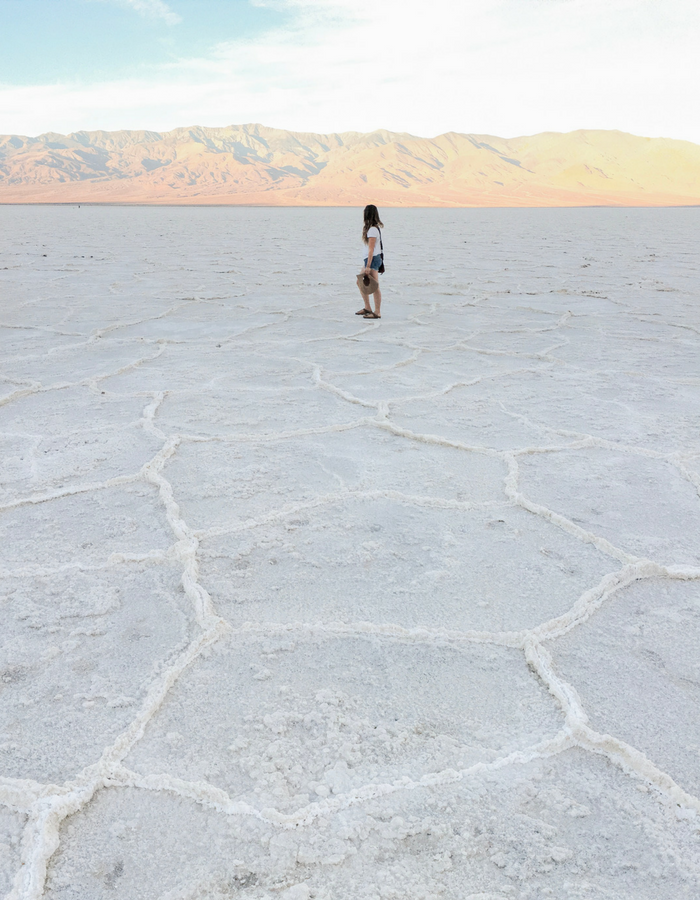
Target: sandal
pixel 371 315
pixel 361 312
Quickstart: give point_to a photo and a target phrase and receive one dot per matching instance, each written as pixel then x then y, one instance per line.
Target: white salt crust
pixel 522 421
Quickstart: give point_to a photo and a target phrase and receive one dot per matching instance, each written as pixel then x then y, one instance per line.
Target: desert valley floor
pixel 297 605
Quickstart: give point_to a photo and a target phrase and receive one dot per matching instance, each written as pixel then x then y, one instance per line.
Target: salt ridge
pixel 49 805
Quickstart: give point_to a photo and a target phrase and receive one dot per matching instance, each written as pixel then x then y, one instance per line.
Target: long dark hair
pixel 371 220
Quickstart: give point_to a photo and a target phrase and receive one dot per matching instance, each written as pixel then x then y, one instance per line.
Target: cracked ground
pixel 304 606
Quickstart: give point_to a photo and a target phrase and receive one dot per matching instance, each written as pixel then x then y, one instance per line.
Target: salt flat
pixel 298 605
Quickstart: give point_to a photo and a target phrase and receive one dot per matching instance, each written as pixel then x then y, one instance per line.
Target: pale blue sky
pixel 42 41
pixel 504 67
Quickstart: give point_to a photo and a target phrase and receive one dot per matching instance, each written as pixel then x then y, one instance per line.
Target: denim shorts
pixel 376 261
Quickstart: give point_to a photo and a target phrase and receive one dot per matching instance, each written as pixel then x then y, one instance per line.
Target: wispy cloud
pixel 504 67
pixel 154 9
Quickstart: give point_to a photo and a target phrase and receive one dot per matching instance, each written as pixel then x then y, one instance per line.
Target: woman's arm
pixel 370 252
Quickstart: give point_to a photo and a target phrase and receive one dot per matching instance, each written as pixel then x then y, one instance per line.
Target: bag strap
pixel 381 243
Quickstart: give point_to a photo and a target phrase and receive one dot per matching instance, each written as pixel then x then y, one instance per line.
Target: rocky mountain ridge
pixel 254 164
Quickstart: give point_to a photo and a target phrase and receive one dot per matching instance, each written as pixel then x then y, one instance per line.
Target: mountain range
pixel 257 165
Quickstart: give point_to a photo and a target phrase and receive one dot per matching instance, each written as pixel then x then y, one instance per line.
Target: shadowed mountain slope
pixel 253 164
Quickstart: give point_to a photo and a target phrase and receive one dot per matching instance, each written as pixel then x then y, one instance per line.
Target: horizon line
pixel 243 125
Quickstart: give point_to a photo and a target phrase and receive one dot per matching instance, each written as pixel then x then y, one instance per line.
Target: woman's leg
pixel 365 300
pixel 377 294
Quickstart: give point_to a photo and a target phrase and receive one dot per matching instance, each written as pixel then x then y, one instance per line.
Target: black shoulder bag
pixel 381 269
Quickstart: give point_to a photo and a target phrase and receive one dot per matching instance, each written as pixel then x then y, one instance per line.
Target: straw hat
pixel 366 284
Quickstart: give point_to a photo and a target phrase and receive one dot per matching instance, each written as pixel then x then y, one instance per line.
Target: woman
pixel 373 260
